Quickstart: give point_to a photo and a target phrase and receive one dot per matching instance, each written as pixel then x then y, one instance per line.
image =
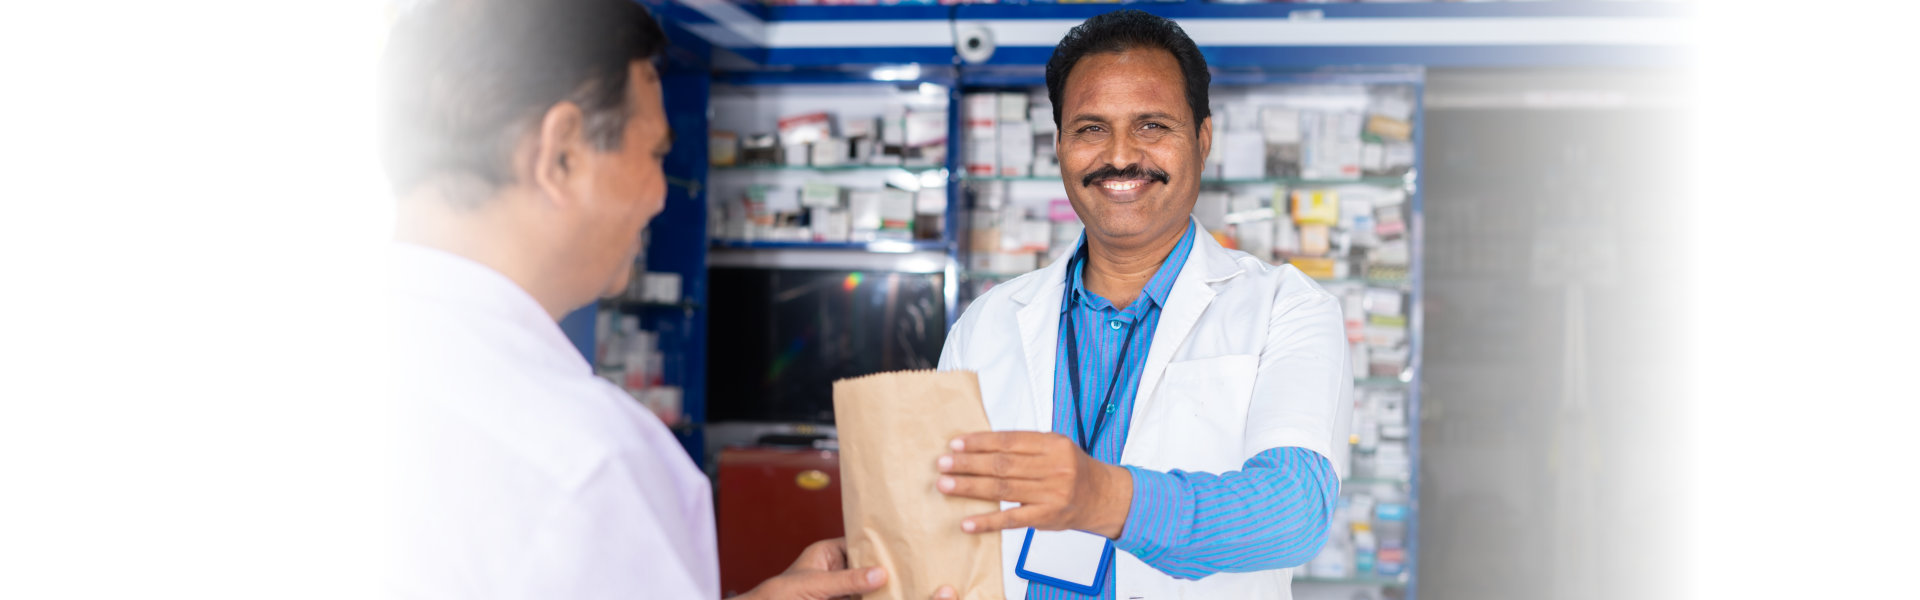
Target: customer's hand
pixel 1057 485
pixel 821 573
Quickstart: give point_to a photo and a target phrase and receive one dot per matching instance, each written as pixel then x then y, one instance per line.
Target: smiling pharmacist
pixel 1219 381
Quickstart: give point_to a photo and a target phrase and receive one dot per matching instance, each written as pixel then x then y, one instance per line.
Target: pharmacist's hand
pixel 820 573
pixel 1057 485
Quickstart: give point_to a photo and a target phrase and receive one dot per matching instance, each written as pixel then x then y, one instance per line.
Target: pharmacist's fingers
pixel 1012 518
pixel 1017 442
pixel 945 593
pixel 1002 464
pixel 998 489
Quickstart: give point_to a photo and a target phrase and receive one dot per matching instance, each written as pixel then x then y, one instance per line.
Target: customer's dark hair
pixel 463 80
pixel 1123 30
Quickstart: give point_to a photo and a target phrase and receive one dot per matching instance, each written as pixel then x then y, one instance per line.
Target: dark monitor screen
pixel 778 338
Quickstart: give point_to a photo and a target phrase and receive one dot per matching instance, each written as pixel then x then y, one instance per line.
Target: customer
pixel 524 139
pixel 1219 380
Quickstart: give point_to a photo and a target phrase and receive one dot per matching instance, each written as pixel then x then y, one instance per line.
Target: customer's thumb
pixel 833 584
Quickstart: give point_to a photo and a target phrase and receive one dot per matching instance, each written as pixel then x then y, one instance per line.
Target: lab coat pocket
pixel 1207 403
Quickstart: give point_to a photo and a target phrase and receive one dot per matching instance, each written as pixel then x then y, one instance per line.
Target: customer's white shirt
pixel 520 474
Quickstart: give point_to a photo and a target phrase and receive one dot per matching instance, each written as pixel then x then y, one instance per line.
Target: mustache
pixel 1131 172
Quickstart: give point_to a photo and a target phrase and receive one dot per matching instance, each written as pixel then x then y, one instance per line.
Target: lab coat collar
pixel 459 283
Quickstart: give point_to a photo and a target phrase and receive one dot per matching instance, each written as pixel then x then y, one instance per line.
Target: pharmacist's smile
pixel 1123 184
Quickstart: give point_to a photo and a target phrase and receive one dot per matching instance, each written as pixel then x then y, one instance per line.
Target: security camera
pixel 974 43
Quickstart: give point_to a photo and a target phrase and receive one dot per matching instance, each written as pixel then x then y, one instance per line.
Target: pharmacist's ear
pixel 1206 138
pixel 560 154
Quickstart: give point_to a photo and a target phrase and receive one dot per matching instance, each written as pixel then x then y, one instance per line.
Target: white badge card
pixel 1072 560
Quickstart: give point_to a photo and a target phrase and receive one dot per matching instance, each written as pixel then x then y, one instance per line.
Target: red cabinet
pixel 773 502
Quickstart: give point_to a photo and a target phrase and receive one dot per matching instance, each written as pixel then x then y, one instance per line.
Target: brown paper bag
pixel 893 426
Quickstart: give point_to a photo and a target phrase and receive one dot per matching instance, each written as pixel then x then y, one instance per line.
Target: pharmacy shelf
pixel 1361 580
pixel 826 169
pixel 885 247
pixel 992 275
pixel 912 47
pixel 1388 181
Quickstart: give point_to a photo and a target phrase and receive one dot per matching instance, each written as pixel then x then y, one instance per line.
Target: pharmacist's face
pixel 1130 151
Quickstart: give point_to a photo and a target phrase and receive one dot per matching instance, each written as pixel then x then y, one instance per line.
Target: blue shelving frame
pixel 1584 33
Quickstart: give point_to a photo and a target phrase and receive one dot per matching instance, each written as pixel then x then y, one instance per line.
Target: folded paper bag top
pixel 893 427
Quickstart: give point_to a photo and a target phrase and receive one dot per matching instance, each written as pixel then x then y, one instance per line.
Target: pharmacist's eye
pixel 1151 125
pixel 1090 129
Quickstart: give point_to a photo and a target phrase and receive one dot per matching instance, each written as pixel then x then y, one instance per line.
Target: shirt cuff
pixel 1158 519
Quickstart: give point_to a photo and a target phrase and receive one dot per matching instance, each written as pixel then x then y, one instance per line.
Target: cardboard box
pixel 1332 146
pixel 1389 128
pixel 1383 301
pixel 1012 106
pixel 762 149
pixel 863 211
pixel 829 224
pixel 1286 238
pixel 795 155
pixel 1317 268
pixel 1356 217
pixel 820 194
pixel 1316 207
pixel 926 136
pixel 1244 155
pixel 828 152
pixel 1280 125
pixel 1314 240
pixel 983 153
pixel 981 110
pixel 1387 222
pixel 1040 116
pixel 723 148
pixel 983 232
pixel 896 210
pixel 930 201
pixel 805 128
pixel 855 128
pixel 1256 237
pixel 661 287
pixel 1015 148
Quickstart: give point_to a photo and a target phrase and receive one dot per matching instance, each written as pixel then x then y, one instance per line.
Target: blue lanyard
pixel 1073 372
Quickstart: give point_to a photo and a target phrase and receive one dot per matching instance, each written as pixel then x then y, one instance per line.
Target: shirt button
pixel 1114 324
pixel 1110 408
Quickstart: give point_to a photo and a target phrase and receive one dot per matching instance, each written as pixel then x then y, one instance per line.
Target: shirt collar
pixel 1157 288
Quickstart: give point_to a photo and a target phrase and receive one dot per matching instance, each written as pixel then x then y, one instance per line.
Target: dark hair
pixel 1123 30
pixel 463 79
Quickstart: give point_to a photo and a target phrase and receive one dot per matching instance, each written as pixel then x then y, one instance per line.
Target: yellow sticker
pixel 812 480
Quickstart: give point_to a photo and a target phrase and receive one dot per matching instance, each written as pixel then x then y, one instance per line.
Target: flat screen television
pixel 779 337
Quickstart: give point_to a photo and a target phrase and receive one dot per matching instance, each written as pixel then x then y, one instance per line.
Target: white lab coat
pixel 1217 389
pixel 518 473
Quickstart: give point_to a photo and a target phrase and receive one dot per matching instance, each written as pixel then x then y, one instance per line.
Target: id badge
pixel 1071 560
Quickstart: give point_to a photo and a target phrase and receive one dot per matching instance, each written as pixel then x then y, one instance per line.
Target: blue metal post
pixel 1415 322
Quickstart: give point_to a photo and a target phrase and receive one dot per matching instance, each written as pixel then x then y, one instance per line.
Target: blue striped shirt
pixel 1271 514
